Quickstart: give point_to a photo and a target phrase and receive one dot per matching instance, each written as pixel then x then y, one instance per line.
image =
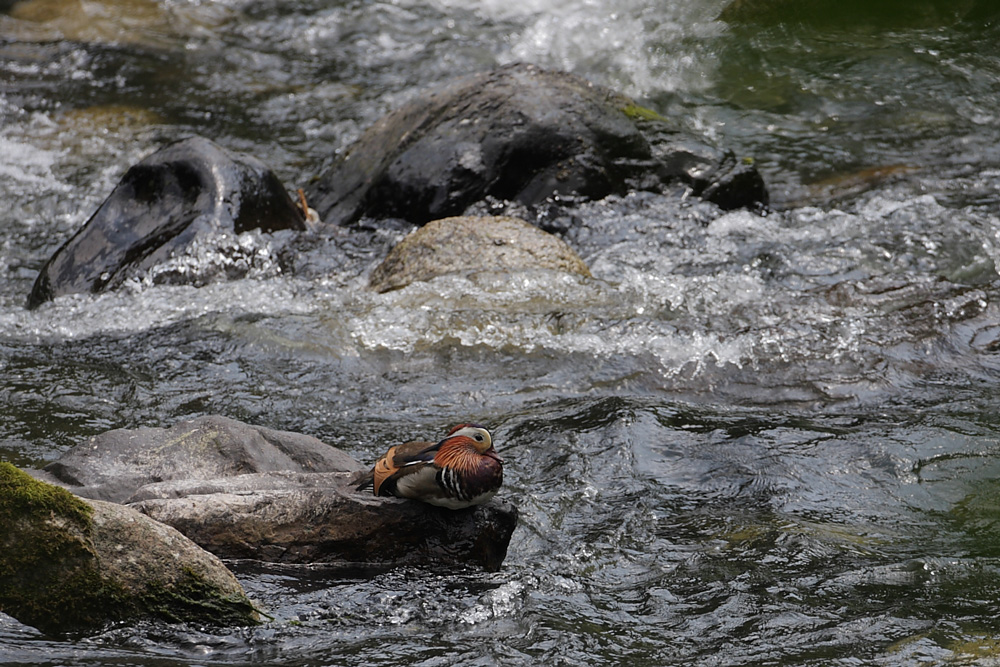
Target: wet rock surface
pixel 244 491
pixel 470 243
pixel 185 190
pixel 113 465
pixel 520 133
pixel 73 565
pixel 320 518
pixel 517 134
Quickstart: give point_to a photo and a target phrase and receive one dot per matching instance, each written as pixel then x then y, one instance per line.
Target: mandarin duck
pixel 460 471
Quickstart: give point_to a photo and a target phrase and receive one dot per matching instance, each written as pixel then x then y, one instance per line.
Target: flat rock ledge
pixel 320 518
pixel 242 491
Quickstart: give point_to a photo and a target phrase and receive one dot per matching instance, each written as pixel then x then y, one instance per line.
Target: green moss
pixel 975 650
pixel 22 495
pixel 195 600
pixel 51 576
pixel 48 569
pixel 636 112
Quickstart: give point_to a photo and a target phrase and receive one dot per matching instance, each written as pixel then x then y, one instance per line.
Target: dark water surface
pixel 748 440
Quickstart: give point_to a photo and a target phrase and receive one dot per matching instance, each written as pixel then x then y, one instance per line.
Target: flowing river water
pixel 749 439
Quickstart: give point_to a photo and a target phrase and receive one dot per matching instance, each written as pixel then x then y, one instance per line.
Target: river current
pixel 748 439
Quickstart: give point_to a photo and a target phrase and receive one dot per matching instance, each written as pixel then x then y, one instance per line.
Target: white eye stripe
pixel 475 432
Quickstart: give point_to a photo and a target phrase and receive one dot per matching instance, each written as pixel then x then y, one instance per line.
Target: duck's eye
pixel 479 437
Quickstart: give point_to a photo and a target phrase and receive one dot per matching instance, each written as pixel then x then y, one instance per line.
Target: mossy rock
pixel 67 565
pixel 48 573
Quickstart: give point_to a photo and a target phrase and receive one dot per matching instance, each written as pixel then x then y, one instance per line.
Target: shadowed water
pixel 747 440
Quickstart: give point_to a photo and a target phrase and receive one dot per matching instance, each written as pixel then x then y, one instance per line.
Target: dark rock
pixel 244 491
pixel 72 565
pixel 161 205
pixel 524 134
pixel 495 243
pixel 113 465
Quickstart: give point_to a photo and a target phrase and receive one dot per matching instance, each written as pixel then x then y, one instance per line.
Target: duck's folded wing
pixel 401 461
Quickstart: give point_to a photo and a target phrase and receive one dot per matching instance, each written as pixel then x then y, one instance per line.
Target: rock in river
pixel 72 565
pixel 161 205
pixel 320 518
pixel 113 465
pixel 244 491
pixel 520 133
pixel 496 243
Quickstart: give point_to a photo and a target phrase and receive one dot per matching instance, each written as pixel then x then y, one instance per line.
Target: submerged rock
pixel 468 243
pixel 160 207
pixel 72 565
pixel 321 518
pixel 244 491
pixel 524 134
pixel 858 13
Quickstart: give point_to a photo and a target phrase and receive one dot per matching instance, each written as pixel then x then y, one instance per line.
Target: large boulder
pixel 161 206
pixel 72 565
pixel 114 465
pixel 497 243
pixel 244 491
pixel 520 133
